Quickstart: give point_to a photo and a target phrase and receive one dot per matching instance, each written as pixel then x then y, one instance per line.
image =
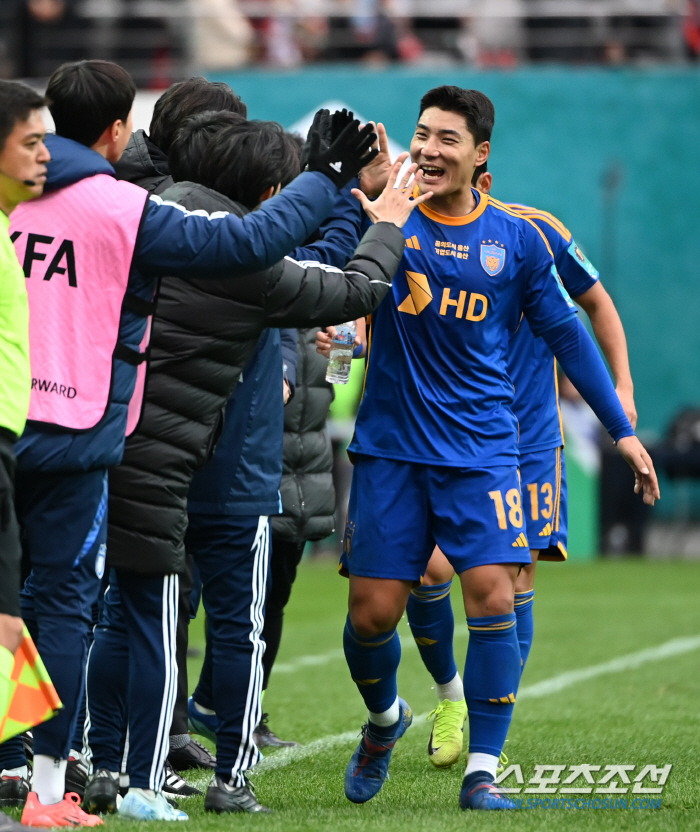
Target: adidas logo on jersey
pixel 521 541
pixel 412 242
pixel 546 531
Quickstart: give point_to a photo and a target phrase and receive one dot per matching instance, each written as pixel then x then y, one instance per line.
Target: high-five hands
pixel 337 147
pixel 394 204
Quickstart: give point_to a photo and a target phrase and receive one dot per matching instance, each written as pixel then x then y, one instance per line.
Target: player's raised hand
pixel 374 176
pixel 635 455
pixel 394 204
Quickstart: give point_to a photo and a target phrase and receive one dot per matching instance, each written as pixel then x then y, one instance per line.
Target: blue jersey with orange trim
pixel 531 365
pixel 437 389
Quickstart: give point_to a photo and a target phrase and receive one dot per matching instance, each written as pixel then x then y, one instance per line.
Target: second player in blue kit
pixel 436 440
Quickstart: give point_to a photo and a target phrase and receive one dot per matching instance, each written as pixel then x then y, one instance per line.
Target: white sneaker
pixel 138 805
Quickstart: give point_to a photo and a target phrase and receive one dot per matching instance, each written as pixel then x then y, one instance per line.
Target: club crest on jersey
pixel 493 259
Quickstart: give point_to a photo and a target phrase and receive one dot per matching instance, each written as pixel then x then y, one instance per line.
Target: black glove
pixel 350 152
pixel 339 121
pixel 322 125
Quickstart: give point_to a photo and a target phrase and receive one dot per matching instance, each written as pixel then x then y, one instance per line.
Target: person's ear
pixel 482 153
pixel 484 183
pixel 268 193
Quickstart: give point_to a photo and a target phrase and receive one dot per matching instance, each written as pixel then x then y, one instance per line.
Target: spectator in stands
pixel 223 37
pixel 50 33
pixel 691 29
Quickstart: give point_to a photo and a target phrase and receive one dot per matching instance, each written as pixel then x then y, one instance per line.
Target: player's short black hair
pixel 183 100
pixel 478 170
pixel 190 144
pixel 477 109
pixel 16 104
pixel 243 162
pixel 86 97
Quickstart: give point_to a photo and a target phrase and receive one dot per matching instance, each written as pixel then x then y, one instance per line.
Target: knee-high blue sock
pixel 491 678
pixel 373 663
pixel 430 617
pixel 525 623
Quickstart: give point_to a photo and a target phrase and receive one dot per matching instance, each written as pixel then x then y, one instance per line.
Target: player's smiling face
pixel 445 153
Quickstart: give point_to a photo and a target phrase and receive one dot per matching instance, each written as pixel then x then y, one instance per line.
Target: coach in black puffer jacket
pixel 203 335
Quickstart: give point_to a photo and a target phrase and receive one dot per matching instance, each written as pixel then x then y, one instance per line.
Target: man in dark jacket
pixel 145 160
pixel 62 463
pixel 145 164
pixel 203 334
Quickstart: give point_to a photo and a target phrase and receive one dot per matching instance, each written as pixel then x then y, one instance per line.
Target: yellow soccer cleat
pixel 447 736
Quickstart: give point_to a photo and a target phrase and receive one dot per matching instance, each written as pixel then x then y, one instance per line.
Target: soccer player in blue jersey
pixel 435 445
pixel 531 367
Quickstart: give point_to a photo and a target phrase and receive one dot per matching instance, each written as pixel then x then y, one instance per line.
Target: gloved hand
pixel 339 121
pixel 321 125
pixel 349 152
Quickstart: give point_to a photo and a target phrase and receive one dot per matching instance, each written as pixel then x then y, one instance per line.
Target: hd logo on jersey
pixel 493 259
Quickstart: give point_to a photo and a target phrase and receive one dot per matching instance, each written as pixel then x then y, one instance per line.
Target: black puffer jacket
pixel 308 495
pixel 144 164
pixel 203 334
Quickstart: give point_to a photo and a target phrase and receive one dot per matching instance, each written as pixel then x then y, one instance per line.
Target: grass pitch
pixel 586 615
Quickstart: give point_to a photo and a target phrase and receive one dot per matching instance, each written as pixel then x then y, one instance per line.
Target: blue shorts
pixel 399 511
pixel 544 497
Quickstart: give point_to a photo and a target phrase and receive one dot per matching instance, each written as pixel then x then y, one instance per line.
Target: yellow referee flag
pixel 33 698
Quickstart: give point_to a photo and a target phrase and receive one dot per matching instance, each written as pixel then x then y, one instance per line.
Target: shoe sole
pixel 101 805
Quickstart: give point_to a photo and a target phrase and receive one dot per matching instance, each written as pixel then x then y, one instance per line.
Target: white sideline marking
pixel 675 647
pixel 324 658
pixel 671 648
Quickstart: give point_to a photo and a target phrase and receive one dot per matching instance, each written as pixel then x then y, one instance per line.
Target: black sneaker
pixel 101 793
pixel 8 824
pixel 263 737
pixel 192 755
pixel 14 786
pixel 76 774
pixel 176 785
pixel 222 797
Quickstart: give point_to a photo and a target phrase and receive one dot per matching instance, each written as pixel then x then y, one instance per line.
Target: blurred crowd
pixel 162 41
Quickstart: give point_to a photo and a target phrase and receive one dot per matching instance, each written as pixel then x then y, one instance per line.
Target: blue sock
pixel 12 754
pixel 373 663
pixel 525 623
pixel 491 678
pixel 432 623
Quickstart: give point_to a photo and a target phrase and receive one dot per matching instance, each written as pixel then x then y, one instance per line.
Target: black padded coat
pixel 203 334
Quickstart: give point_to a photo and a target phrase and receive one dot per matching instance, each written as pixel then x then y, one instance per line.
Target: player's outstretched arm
pixel 610 334
pixel 185 244
pixel 574 349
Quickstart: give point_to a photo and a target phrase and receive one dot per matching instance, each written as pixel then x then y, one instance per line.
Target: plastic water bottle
pixel 342 348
